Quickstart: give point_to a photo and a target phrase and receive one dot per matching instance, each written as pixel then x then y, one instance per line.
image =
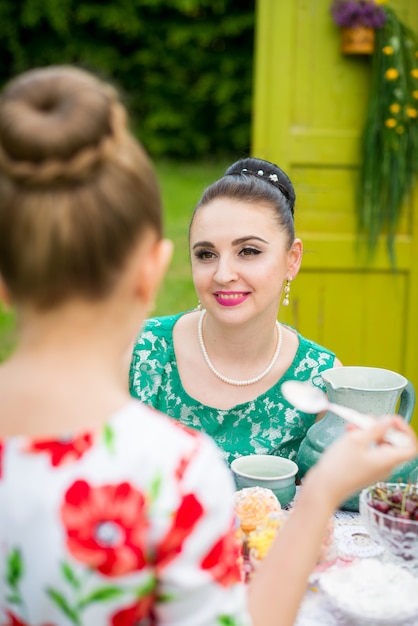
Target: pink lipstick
pixel 230 298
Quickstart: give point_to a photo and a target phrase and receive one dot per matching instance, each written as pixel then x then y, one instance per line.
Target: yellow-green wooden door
pixel 310 103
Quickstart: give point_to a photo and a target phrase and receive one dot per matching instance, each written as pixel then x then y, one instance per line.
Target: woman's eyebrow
pixel 203 244
pixel 247 238
pixel 236 242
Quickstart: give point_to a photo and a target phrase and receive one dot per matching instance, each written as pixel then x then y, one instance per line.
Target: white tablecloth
pixel 315 611
pixel 352 541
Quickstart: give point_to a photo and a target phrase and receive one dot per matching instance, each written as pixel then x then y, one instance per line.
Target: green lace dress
pixel 266 425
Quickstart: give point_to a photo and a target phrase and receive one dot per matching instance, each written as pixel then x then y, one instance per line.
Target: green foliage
pixel 7 332
pixel 390 136
pixel 185 66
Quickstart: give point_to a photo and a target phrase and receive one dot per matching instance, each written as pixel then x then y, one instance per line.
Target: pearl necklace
pixel 230 381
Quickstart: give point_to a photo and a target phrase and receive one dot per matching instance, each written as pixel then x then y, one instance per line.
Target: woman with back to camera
pixel 220 369
pixel 110 512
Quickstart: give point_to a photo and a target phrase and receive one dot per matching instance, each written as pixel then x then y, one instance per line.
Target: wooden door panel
pixel 325 200
pixel 355 314
pixel 310 103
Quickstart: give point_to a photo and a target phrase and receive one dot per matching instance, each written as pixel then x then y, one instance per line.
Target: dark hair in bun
pixel 256 181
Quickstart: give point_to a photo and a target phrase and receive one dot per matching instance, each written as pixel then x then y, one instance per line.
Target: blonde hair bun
pixel 77 190
pixel 56 122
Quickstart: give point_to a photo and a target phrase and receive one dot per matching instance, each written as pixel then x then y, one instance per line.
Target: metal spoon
pixel 310 399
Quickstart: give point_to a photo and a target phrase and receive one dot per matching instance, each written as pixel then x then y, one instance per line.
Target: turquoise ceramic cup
pixel 264 470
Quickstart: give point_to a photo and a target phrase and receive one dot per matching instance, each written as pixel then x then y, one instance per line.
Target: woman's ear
pixel 295 258
pixel 153 264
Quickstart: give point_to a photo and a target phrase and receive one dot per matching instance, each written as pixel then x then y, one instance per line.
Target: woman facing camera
pixel 220 367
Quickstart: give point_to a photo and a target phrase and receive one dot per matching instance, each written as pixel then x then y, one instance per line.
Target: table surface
pixel 352 541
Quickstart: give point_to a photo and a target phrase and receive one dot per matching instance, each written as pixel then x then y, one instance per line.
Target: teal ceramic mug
pixel 268 471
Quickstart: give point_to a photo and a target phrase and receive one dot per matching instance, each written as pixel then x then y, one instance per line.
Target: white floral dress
pixel 266 425
pixel 122 527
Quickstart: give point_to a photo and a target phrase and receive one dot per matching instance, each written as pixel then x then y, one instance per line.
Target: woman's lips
pixel 230 298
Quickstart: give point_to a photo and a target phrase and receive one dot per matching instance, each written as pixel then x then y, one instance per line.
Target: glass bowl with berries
pixel 389 512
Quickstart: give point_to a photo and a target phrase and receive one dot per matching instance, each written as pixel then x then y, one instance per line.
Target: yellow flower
pixel 400 130
pixel 390 122
pixel 411 112
pixel 415 94
pixel 414 73
pixel 392 73
pixel 395 107
pixel 387 50
pixel 380 1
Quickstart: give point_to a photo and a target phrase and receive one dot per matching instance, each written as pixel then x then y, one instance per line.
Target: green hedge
pixel 185 66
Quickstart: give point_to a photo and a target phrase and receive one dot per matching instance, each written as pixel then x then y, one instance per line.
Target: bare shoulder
pixel 290 335
pixel 290 345
pixel 185 327
pixel 186 341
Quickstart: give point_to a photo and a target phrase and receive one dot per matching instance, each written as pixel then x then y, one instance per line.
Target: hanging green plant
pixel 389 145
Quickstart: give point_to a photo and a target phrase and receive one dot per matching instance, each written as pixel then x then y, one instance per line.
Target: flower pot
pixel 358 40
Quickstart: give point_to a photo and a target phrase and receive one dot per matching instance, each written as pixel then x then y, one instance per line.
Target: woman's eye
pixel 204 255
pixel 249 251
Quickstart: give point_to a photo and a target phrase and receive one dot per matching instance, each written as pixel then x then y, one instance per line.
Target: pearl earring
pixel 287 291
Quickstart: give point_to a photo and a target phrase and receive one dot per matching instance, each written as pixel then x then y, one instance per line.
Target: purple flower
pixel 352 13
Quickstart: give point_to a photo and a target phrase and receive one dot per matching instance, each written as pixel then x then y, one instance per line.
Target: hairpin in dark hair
pixel 268 172
pixel 271 178
pixel 242 181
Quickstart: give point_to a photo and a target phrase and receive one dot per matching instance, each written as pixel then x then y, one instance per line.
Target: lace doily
pixel 353 540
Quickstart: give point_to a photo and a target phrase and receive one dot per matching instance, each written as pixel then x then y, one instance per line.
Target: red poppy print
pixel 13 620
pixel 106 526
pixel 185 519
pixel 185 462
pixel 222 561
pixel 181 467
pixel 134 613
pixel 62 450
pixel 190 431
